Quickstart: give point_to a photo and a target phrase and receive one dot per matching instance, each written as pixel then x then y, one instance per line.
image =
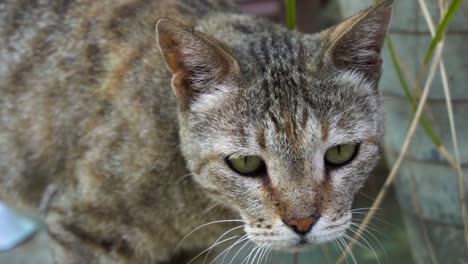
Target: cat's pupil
pixel 247 165
pixel 340 155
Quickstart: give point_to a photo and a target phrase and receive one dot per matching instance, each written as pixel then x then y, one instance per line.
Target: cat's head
pixel 283 127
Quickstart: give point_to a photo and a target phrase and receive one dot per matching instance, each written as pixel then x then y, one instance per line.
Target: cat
pixel 129 124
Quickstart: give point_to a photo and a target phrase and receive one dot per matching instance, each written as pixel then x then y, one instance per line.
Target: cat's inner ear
pixel 197 61
pixel 356 43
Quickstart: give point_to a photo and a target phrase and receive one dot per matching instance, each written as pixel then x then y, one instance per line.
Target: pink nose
pixel 302 226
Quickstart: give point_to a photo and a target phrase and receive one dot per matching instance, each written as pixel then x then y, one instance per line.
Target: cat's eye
pixel 340 155
pixel 247 165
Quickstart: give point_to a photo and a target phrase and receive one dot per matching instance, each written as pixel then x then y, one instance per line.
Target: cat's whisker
pixel 228 250
pixel 363 237
pixel 333 242
pixel 207 210
pixel 365 231
pixel 367 243
pixel 258 254
pixel 204 225
pixel 212 246
pixel 239 250
pixel 262 256
pixel 356 228
pixel 364 209
pixel 368 248
pixel 364 213
pixel 247 259
pixel 340 245
pixel 248 256
pixel 250 249
pixel 244 240
pixel 349 250
pixel 345 249
pixel 359 216
pixel 267 257
pixel 219 238
pixel 367 196
pixel 183 177
pixel 358 243
pixel 259 249
pixel 254 254
pixel 377 218
pixel 370 227
pixel 262 251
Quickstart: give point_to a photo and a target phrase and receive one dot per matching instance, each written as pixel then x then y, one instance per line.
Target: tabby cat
pixel 130 123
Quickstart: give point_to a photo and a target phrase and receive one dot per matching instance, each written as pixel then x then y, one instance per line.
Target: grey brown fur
pixel 127 128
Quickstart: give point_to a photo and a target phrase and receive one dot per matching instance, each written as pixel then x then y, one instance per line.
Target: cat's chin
pixel 305 244
pixel 298 245
pixel 301 246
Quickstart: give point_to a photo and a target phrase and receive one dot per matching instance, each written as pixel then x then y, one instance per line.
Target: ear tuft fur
pixel 356 43
pixel 196 60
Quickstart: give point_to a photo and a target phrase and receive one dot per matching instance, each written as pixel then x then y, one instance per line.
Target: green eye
pixel 341 154
pixel 247 165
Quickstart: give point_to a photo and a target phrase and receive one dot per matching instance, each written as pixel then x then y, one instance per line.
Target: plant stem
pixel 291 14
pixel 442 28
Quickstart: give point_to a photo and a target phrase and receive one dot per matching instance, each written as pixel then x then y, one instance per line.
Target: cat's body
pixel 89 130
pixel 86 106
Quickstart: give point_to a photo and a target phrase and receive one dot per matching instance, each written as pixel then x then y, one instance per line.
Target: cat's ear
pixel 356 43
pixel 197 61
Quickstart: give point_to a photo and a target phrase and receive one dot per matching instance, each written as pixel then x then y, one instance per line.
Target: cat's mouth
pixel 296 245
pixel 303 244
pixel 280 237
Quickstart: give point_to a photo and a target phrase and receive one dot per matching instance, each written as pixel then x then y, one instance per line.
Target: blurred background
pixel 419 188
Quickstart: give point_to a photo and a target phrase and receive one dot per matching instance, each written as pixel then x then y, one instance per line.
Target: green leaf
pixel 396 64
pixel 442 28
pixel 399 72
pixel 291 14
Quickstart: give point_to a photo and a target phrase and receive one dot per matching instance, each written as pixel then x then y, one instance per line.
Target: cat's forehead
pixel 280 70
pixel 284 95
pixel 282 52
pixel 299 110
pixel 286 76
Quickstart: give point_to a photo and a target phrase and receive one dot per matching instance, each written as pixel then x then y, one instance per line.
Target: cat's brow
pixel 260 138
pixel 325 128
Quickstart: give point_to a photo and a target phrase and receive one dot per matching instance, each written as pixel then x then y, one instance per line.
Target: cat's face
pixel 284 129
pixel 289 125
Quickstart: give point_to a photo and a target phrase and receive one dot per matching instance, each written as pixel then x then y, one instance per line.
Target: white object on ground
pixel 14 228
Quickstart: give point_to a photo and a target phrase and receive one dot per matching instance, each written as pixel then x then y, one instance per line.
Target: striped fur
pixel 87 113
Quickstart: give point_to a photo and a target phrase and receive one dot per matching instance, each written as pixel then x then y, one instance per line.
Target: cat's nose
pixel 303 225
